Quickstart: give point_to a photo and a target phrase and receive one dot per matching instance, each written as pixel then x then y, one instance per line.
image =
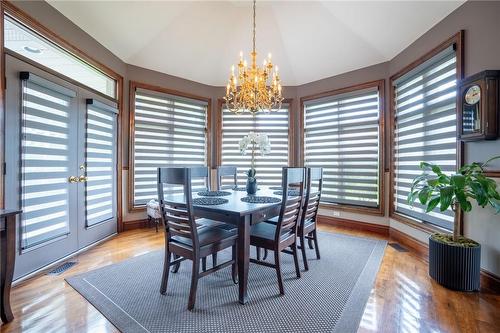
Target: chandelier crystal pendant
pixel 248 90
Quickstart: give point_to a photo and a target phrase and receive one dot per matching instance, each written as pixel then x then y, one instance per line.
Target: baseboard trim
pixel 135 224
pixel 351 224
pixel 419 248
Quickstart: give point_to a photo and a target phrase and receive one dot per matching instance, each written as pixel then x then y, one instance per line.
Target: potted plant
pixel 254 140
pixel 454 260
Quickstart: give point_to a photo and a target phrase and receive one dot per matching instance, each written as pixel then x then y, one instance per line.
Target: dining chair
pixel 278 238
pixel 186 237
pixel 227 171
pixel 307 228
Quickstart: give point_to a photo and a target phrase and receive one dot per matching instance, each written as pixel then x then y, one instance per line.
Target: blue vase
pixel 252 186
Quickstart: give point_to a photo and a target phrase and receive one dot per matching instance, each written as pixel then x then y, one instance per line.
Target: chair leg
pixel 166 270
pixel 316 244
pixel 194 283
pixel 204 264
pixel 214 259
pixel 234 266
pixel 277 263
pixel 156 224
pixel 257 250
pixel 296 259
pixel 303 250
pixel 265 254
pixel 310 242
pixel 177 266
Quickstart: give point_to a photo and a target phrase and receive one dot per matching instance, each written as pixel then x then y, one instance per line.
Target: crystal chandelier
pixel 249 89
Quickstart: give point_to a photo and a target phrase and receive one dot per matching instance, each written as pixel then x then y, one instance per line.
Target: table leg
pixel 8 245
pixel 243 258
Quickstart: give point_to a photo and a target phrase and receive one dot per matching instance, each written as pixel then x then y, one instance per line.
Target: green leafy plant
pixel 434 188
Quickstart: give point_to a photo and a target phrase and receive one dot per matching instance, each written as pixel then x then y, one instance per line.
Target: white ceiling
pixel 309 40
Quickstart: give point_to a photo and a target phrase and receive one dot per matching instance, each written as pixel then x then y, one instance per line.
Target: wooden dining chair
pixel 185 237
pixel 227 171
pixel 282 237
pixel 307 225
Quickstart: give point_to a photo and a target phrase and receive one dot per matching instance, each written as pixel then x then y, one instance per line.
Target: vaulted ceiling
pixel 309 40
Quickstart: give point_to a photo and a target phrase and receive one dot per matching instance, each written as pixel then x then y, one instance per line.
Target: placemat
pixel 209 201
pixel 261 200
pixel 214 193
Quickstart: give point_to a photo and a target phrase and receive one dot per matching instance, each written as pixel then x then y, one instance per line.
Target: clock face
pixel 473 95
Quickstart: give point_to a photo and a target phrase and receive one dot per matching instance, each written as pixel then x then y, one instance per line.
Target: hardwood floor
pixel 404 298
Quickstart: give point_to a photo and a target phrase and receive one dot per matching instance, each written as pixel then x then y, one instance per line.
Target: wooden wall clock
pixel 478 106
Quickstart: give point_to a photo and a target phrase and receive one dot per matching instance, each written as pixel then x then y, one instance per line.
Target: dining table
pixel 242 215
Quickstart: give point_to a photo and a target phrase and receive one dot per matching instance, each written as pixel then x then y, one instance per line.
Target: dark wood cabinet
pixel 478 106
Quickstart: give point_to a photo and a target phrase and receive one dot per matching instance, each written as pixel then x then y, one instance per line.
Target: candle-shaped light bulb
pixel 265 62
pixel 245 63
pixel 279 88
pixel 232 70
pixel 227 88
pixel 269 56
pixel 241 55
pixel 276 69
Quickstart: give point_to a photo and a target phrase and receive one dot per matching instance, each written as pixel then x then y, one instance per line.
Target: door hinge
pixel 4 167
pixel 4 83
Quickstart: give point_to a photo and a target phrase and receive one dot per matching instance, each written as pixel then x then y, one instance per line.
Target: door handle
pixel 73 179
pixel 82 179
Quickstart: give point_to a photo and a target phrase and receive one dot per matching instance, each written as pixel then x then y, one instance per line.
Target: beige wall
pixel 481 22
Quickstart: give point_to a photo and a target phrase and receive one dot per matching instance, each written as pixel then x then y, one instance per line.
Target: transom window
pixel 28 43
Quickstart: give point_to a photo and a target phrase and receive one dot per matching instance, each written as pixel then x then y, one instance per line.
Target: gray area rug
pixel 330 297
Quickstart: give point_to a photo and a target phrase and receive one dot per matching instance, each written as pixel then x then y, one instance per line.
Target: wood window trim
pixel 458 40
pixel 133 85
pixel 291 132
pixel 8 7
pixel 380 85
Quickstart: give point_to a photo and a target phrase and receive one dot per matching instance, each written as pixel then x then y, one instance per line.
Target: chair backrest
pixel 290 205
pixel 178 217
pixel 227 171
pixel 312 196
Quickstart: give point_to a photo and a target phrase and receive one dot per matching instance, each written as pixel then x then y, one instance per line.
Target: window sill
pixel 379 211
pixel 422 226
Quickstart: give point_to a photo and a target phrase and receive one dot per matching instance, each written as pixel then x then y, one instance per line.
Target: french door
pixel 60 165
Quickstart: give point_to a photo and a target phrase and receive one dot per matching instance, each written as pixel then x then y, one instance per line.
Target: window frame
pixel 458 41
pixel 291 132
pixel 380 85
pixel 133 85
pixel 10 9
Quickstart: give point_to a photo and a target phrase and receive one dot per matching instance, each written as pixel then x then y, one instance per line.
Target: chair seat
pixel 208 235
pixel 212 223
pixel 266 231
pixel 308 223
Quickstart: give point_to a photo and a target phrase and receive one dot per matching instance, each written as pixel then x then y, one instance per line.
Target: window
pixel 342 134
pixel 275 125
pixel 26 42
pixel 425 129
pixel 169 130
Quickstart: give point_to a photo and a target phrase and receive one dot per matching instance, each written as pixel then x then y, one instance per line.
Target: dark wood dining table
pixel 242 215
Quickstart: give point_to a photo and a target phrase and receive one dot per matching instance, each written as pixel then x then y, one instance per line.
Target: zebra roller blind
pixel 342 135
pixel 425 130
pixel 45 166
pixel 100 157
pixel 169 130
pixel 275 125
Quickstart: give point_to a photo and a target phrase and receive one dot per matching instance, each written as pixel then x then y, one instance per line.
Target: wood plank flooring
pixel 404 298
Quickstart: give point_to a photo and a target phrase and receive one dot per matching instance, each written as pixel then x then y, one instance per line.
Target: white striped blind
pixel 169 130
pixel 425 130
pixel 45 166
pixel 275 125
pixel 341 134
pixel 100 157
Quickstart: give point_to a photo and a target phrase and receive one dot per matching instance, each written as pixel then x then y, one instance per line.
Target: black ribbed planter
pixel 455 267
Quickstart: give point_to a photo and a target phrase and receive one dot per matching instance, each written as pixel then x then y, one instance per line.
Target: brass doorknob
pixel 73 179
pixel 82 179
